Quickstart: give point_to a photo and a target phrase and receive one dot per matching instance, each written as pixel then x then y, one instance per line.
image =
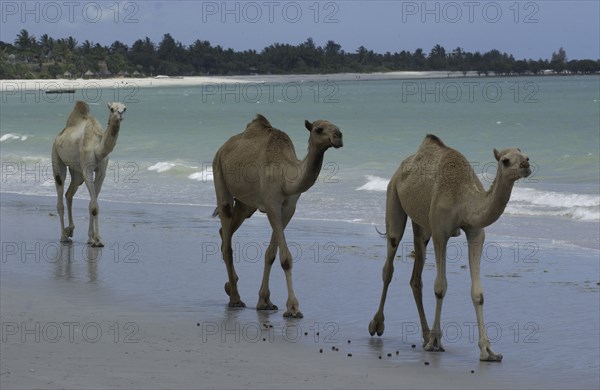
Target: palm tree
pixel 72 43
pixel 47 45
pixel 25 41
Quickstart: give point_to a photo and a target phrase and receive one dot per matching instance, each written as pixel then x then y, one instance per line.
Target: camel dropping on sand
pixel 438 189
pixel 274 186
pixel 83 147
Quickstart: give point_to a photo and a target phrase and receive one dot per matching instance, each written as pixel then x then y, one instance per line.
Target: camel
pixel 258 170
pixel 438 189
pixel 83 147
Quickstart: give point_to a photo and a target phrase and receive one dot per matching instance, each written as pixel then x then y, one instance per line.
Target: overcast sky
pixel 526 29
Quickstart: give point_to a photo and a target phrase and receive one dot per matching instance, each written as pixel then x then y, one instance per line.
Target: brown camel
pixel 438 189
pixel 258 170
pixel 83 147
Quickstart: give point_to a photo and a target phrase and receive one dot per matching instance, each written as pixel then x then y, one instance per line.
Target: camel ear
pixel 308 125
pixel 109 104
pixel 496 154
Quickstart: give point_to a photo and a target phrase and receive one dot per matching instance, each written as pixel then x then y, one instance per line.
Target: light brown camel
pixel 83 147
pixel 258 169
pixel 438 189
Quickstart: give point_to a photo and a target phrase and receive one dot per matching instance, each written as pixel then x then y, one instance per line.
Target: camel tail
pixel 381 234
pixel 215 213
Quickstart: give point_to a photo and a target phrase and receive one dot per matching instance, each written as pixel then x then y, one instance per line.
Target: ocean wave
pixel 162 166
pixel 529 201
pixel 374 183
pixel 13 137
pixel 203 176
pixel 553 199
pixel 589 214
pixel 176 166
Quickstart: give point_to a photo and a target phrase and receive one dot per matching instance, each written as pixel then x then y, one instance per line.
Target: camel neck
pixel 490 205
pixel 109 138
pixel 307 172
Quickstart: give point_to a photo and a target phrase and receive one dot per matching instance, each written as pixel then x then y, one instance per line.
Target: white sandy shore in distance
pixel 10 86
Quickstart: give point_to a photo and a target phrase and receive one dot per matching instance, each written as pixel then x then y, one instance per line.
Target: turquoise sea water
pixel 170 135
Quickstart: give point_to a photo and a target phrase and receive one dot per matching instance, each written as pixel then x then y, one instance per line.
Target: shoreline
pixel 12 86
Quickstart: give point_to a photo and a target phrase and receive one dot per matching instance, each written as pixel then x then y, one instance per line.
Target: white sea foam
pixel 553 199
pixel 529 201
pixel 203 176
pixel 374 183
pixel 162 166
pixel 13 137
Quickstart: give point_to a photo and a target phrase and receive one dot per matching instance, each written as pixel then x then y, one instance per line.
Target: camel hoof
pixel 490 356
pixel 95 243
pixel 266 306
pixel 376 327
pixel 290 314
pixel 69 231
pixel 237 304
pixel 434 346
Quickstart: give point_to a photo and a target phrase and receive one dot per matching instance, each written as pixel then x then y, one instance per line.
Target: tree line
pixel 47 57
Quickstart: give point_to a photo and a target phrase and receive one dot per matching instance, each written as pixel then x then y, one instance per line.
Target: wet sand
pixel 149 310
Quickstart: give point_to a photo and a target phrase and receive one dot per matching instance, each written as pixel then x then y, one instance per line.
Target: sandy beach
pixel 12 86
pixel 149 310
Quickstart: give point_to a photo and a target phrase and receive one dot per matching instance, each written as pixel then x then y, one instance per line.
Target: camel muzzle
pixel 336 140
pixel 525 169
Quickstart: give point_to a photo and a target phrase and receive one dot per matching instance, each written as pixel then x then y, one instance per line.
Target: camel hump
pixel 259 122
pixel 258 127
pixel 80 112
pixel 430 138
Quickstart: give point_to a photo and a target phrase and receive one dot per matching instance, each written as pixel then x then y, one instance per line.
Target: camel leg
pixel 76 181
pixel 98 180
pixel 395 225
pixel 88 178
pixel 264 301
pixel 230 222
pixel 475 238
pixel 276 220
pixel 421 239
pixel 440 240
pixel 59 170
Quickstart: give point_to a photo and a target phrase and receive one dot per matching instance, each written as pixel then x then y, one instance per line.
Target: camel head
pixel 117 109
pixel 324 134
pixel 513 163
